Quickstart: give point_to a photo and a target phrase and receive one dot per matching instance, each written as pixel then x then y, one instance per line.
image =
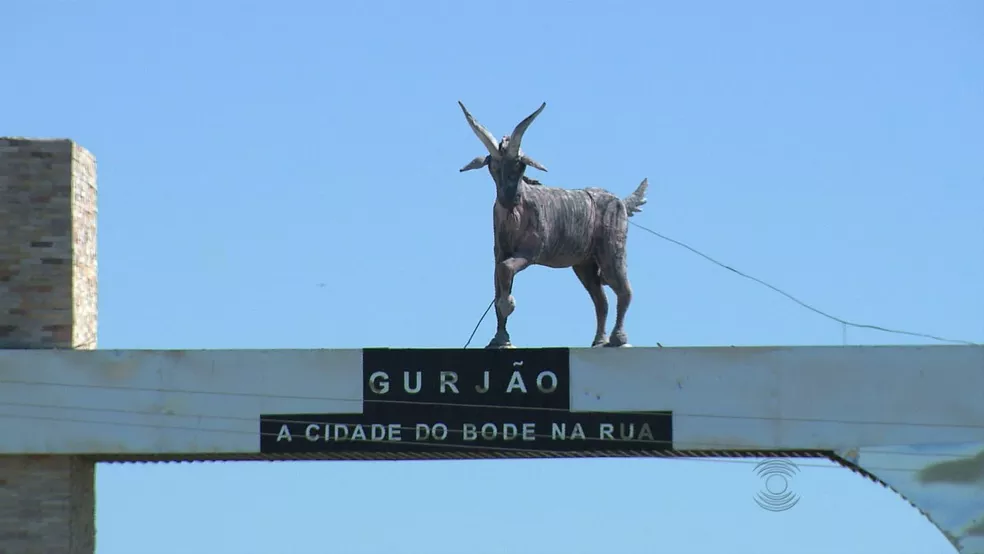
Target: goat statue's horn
pixel 517 135
pixel 481 132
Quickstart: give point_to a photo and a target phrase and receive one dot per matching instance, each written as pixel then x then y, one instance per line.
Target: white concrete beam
pixel 911 415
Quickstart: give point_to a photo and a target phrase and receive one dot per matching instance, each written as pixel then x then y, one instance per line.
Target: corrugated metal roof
pixel 493 455
pixel 464 455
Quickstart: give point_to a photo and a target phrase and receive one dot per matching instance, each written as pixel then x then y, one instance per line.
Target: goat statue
pixel 583 229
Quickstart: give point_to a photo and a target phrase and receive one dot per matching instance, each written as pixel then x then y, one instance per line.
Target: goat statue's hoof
pixel 610 345
pixel 598 343
pixel 497 344
pixel 618 340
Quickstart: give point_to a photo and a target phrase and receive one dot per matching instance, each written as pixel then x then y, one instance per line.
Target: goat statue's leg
pixel 616 276
pixel 501 338
pixel 619 282
pixel 588 274
pixel 505 304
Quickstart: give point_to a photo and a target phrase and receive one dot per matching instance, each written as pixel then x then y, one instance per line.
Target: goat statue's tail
pixel 634 201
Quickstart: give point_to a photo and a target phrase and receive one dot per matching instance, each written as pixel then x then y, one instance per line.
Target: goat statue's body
pixel 584 229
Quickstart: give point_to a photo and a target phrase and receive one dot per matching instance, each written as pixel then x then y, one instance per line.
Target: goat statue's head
pixel 505 160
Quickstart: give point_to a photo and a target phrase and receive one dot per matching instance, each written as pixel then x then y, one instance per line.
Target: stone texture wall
pixel 48 282
pixel 47 505
pixel 48 287
pixel 85 289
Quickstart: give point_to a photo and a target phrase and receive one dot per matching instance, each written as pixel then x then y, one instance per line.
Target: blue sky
pixel 277 175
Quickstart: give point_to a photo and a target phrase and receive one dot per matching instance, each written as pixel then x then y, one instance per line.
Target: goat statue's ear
pixel 478 162
pixel 532 163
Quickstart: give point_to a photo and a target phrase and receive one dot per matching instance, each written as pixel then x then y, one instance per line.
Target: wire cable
pixel 645 446
pixel 801 303
pixel 485 406
pixel 353 400
pixel 480 320
pixel 699 445
pixel 253 420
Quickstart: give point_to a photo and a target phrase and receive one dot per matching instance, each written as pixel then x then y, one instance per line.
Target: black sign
pixel 457 400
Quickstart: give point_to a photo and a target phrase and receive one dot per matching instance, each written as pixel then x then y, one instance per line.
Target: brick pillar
pixel 48 299
pixel 47 245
